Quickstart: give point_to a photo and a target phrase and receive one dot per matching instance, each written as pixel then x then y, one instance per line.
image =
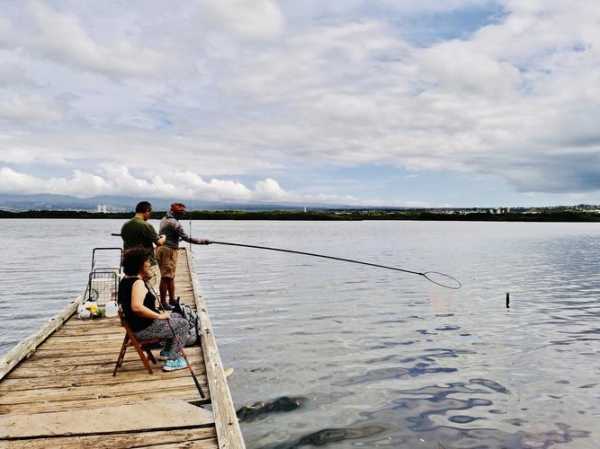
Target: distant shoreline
pixel 325 215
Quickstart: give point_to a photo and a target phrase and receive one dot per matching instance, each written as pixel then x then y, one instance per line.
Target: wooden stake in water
pixel 507 300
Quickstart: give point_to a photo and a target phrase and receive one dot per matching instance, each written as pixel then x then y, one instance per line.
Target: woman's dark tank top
pixel 136 322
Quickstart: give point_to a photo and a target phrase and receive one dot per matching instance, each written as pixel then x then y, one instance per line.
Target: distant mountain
pixel 125 204
pixel 44 202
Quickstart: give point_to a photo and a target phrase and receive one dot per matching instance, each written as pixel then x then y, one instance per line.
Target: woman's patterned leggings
pixel 161 329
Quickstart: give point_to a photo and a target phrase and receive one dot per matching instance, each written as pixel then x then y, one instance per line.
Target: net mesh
pixel 443 280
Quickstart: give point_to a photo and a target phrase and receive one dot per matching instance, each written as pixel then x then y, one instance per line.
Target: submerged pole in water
pixel 507 300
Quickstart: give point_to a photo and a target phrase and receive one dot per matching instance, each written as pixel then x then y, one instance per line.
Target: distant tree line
pixel 551 215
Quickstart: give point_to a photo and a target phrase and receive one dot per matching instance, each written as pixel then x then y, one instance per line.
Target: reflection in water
pixel 362 348
pixel 424 409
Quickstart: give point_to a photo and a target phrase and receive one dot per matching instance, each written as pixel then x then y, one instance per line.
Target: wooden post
pixel 507 300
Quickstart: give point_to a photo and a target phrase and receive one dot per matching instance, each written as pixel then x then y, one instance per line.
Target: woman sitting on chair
pixel 138 302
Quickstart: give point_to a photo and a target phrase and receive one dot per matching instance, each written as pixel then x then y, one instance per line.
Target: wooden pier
pixel 57 389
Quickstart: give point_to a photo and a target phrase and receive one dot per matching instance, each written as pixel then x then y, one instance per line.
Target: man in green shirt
pixel 138 232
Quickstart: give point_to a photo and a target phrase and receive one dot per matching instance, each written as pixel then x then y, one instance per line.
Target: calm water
pixel 350 356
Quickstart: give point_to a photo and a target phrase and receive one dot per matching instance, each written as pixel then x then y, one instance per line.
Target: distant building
pixel 102 208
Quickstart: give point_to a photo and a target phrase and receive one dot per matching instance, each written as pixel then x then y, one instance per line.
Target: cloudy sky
pixel 381 102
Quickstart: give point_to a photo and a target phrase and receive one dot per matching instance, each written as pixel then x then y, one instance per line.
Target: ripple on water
pixel 327 436
pixel 462 419
pixel 492 385
pixel 381 374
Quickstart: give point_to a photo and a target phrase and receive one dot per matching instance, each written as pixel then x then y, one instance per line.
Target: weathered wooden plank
pixel 77 346
pixel 185 445
pixel 74 373
pixel 29 345
pixel 63 350
pixel 94 379
pixel 91 392
pixel 229 434
pixel 188 395
pixel 89 335
pixel 74 346
pixel 77 353
pixel 82 360
pixel 72 364
pixel 142 416
pixel 130 371
pixel 83 346
pixel 92 324
pixel 204 435
pixel 95 334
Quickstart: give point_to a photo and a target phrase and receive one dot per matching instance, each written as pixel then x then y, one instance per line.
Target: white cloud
pixel 60 37
pixel 460 69
pixel 113 180
pixel 433 6
pixel 28 155
pixel 15 182
pixel 80 184
pixel 269 189
pixel 254 19
pixel 209 151
pixel 28 108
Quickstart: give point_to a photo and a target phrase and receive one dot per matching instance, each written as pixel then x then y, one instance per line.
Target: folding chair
pixel 140 346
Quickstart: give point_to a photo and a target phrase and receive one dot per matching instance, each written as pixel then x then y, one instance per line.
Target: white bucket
pixel 111 309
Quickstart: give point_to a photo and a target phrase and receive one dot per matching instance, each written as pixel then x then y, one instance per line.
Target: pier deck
pixel 57 389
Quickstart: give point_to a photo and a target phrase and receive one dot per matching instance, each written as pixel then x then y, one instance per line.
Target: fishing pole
pixel 435 277
pixel 441 279
pixel 189 365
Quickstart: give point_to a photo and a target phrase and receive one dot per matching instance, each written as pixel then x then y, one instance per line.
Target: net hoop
pixel 442 279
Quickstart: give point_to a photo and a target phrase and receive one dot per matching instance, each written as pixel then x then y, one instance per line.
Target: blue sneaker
pixel 172 365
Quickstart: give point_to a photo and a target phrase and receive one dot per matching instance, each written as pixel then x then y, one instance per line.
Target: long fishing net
pixel 435 277
pixel 443 280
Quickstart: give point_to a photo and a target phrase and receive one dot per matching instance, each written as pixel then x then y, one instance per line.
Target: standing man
pixel 167 254
pixel 138 232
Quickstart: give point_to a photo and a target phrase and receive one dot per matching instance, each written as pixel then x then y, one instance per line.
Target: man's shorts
pixel 167 261
pixel 154 281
